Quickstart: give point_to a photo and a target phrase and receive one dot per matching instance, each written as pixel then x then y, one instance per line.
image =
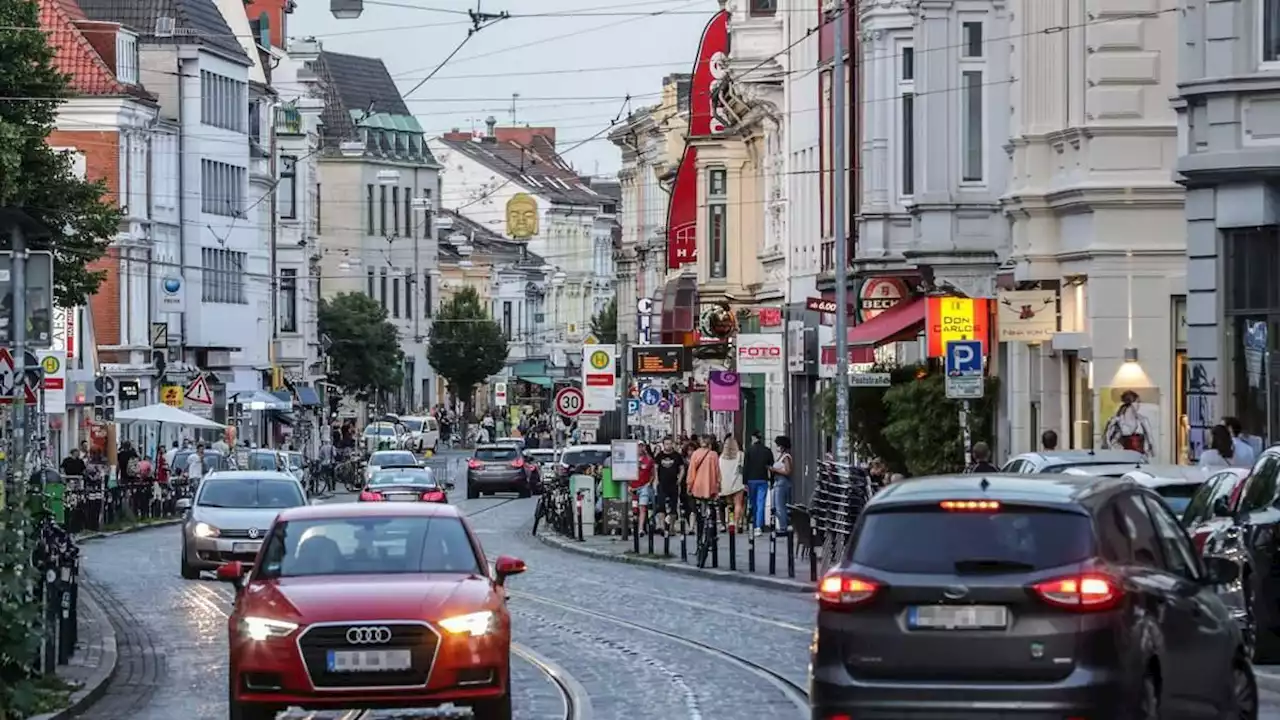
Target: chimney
pixel 491 123
pixel 457 135
pixel 524 136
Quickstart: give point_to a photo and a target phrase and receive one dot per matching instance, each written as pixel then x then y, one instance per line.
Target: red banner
pixel 682 211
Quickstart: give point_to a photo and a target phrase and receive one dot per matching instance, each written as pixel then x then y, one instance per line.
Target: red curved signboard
pixel 682 211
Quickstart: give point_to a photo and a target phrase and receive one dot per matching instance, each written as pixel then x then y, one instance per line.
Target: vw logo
pixel 369 635
pixel 253 533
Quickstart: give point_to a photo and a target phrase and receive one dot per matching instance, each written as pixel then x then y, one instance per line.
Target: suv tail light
pixel 370 496
pixel 842 592
pixel 517 463
pixel 474 464
pixel 433 496
pixel 1079 592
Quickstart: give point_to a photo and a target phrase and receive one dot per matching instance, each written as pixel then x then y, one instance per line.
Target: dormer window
pixel 763 8
pixel 127 57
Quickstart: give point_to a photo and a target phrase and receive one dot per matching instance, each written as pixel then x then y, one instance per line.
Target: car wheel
pixel 497 709
pixel 188 572
pixel 1147 705
pixel 1244 691
pixel 472 491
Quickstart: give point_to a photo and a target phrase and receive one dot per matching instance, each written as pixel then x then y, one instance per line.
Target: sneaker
pixel 757 532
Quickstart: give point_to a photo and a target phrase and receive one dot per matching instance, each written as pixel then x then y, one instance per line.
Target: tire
pixel 1244 691
pixel 472 491
pixel 497 709
pixel 1145 705
pixel 188 572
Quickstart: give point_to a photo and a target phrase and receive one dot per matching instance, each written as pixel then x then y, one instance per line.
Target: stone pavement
pixel 94 662
pixel 739 569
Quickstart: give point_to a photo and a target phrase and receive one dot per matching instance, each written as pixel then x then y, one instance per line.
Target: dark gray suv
pixel 983 596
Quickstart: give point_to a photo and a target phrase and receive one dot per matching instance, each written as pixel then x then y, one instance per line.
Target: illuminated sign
pixel 951 318
pixel 658 360
pixel 880 294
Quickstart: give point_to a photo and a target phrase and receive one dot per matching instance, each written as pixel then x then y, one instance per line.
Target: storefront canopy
pixel 164 415
pixel 262 400
pixel 900 323
pixel 536 380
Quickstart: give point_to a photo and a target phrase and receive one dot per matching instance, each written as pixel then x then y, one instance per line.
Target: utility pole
pixel 838 185
pixel 18 322
pixel 274 271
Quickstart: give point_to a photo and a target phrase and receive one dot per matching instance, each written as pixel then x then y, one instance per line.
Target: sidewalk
pixel 615 549
pixel 94 662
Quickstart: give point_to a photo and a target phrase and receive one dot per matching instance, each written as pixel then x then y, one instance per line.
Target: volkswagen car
pixel 388 458
pixel 405 484
pixel 230 514
pixel 378 605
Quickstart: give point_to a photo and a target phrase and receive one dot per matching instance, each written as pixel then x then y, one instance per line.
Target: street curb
pixel 1268 681
pixel 772 583
pixel 98 682
pixel 128 530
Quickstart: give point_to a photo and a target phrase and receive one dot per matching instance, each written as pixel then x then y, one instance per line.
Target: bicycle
pixel 708 511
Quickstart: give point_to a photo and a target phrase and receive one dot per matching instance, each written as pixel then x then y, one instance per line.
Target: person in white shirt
pixel 195 465
pixel 169 455
pixel 1244 452
pixel 1221 451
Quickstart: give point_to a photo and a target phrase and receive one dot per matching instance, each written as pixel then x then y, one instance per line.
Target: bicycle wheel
pixel 538 512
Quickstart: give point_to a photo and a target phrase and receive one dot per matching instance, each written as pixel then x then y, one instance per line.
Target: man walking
pixel 755 471
pixel 981 453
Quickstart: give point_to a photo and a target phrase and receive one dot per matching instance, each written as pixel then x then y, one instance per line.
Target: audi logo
pixel 369 635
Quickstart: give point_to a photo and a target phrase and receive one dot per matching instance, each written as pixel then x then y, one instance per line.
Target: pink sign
pixel 723 391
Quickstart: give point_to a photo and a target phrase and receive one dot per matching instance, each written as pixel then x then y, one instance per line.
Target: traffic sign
pixel 633 406
pixel 964 369
pixel 198 391
pixel 570 402
pixel 10 376
pixel 651 396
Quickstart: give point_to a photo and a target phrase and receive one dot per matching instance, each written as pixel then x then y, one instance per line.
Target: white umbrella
pixel 165 414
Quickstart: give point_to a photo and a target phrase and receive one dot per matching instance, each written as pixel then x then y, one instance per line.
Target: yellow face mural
pixel 522 216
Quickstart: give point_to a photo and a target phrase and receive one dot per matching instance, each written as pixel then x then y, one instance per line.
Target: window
pixel 287 189
pixel 717 223
pixel 972 47
pixel 408 295
pixel 1270 30
pixel 222 276
pixel 1215 490
pixel 255 121
pixel 127 57
pixel 369 276
pixel 1179 557
pixel 382 287
pixel 1136 529
pixel 382 209
pixel 1260 492
pixel 288 300
pixel 369 209
pixel 971 122
pixel 395 295
pixel 401 545
pixel 395 210
pixel 222 188
pixel 907 123
pixel 315 208
pixel 763 8
pixel 427 302
pixel 222 101
pixel 506 318
pixel 908 63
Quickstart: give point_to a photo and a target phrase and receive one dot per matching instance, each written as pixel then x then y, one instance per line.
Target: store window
pixel 1253 326
pixel 1181 422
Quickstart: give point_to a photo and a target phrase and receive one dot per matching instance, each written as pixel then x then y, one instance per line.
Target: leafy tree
pixel 466 345
pixel 364 348
pixel 37 179
pixel 604 324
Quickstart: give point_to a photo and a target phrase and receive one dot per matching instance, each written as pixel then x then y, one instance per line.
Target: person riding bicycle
pixel 704 479
pixel 326 464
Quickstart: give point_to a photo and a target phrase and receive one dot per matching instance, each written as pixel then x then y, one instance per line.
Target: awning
pixel 529 368
pixel 266 400
pixel 536 380
pixel 901 322
pixel 307 396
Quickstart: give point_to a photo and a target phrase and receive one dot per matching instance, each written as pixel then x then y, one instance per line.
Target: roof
pixel 485 243
pixel 535 166
pixel 1155 475
pixel 76 56
pixel 196 22
pixel 1040 489
pixel 249 475
pixel 359 91
pixel 339 511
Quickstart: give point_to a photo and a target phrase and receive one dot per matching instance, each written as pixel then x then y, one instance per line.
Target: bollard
pixel 791 554
pixel 666 537
pixel 684 540
pixel 635 524
pixel 648 528
pixel 715 543
pixel 751 550
pixel 813 557
pixel 773 551
pixel 733 546
pixel 580 536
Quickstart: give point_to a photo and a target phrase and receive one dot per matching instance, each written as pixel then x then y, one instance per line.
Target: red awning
pixel 896 324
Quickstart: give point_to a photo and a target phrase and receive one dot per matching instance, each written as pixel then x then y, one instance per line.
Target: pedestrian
pixel 1245 453
pixel 669 463
pixel 1222 449
pixel 1049 440
pixel 127 462
pixel 196 464
pixel 703 478
pixel 981 453
pixel 755 470
pixel 168 455
pixel 733 489
pixel 782 473
pixel 642 486
pixel 73 464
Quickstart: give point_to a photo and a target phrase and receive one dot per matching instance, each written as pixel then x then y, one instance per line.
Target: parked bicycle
pixel 555 505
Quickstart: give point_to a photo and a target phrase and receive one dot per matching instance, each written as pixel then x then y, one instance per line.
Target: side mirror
pixel 1219 570
pixel 232 572
pixel 183 504
pixel 1221 508
pixel 505 566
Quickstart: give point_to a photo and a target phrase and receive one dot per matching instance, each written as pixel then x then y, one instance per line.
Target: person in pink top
pixel 703 479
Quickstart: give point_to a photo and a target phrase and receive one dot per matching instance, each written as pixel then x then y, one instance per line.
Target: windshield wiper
pixel 209 504
pixel 977 565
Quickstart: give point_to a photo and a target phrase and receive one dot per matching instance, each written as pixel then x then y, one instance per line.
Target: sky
pixel 572 72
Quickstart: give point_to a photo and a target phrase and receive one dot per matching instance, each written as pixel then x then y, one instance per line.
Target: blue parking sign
pixel 964 357
pixel 633 406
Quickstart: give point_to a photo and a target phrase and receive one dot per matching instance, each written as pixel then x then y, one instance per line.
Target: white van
pixel 423 433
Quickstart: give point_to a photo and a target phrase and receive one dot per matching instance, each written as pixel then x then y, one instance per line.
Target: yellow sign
pixel 50 365
pixel 599 359
pixel 171 395
pixel 522 216
pixel 591 340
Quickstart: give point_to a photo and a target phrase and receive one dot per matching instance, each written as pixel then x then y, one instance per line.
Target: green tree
pixel 924 425
pixel 466 345
pixel 363 346
pixel 38 180
pixel 604 324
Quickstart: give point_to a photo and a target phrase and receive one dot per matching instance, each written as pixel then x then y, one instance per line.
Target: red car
pixel 370 605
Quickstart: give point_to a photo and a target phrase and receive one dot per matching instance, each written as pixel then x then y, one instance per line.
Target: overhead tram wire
pixel 479 21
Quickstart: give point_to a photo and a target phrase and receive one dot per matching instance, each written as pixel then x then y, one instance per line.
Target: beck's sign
pixel 759 353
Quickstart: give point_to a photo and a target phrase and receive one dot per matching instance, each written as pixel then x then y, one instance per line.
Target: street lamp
pixel 346 9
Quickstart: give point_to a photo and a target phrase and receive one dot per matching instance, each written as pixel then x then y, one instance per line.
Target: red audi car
pixel 370 605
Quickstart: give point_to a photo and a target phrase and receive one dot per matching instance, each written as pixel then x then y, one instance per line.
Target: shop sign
pixel 948 319
pixel 658 360
pixel 759 353
pixel 1029 316
pixel 171 395
pixel 880 294
pixel 769 316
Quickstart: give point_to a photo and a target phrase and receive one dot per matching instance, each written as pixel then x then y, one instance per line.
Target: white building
pixel 1096 217
pixel 483 177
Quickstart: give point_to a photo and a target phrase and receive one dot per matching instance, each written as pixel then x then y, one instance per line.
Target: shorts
pixel 644 495
pixel 668 499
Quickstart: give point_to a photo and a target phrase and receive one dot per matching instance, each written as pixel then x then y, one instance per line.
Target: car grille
pixel 316 642
pixel 240 534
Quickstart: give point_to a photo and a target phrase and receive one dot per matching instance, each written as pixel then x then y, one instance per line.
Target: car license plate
pixel 958 617
pixel 343 661
pixel 403 497
pixel 249 548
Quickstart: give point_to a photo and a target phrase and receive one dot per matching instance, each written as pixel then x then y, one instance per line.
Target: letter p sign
pixel 964 357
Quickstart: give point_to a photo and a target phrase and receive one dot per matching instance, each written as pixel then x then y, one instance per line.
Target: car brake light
pixel 433 496
pixel 474 464
pixel 838 591
pixel 970 505
pixel 370 496
pixel 1079 592
pixel 517 463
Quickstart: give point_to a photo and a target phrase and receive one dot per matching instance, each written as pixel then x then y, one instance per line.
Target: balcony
pixel 827 256
pixel 288 121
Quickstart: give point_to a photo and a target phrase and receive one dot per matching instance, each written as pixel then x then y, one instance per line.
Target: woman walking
pixel 704 480
pixel 732 487
pixel 782 483
pixel 1221 452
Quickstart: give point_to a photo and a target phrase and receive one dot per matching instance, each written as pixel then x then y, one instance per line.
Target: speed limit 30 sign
pixel 570 402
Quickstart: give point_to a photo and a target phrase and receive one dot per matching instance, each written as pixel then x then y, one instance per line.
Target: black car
pixel 497 468
pixel 981 596
pixel 411 483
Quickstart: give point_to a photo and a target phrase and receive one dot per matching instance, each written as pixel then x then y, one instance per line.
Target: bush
pixel 20 616
pixel 924 425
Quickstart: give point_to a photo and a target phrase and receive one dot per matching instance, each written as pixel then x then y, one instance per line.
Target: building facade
pixel 1228 161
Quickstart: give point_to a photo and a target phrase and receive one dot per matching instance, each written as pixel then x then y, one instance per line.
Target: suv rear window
pixel 928 541
pixel 502 453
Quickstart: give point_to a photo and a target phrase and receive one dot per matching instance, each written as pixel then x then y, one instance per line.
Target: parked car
pixel 577 458
pixel 1214 505
pixel 1055 461
pixel 381 436
pixel 230 515
pixel 213 460
pixel 975 596
pixel 540 461
pixel 497 468
pixel 1176 484
pixel 422 433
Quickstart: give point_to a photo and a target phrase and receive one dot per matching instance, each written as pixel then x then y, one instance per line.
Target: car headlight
pixel 205 530
pixel 474 624
pixel 260 628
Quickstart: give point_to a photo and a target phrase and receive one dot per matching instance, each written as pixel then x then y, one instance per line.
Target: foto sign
pixel 964 369
pixel 759 353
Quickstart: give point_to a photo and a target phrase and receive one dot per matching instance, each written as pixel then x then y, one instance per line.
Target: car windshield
pixel 386 430
pixel 578 458
pixel 1013 539
pixel 250 493
pixel 404 477
pixel 496 454
pixel 412 425
pixel 369 545
pixel 387 459
pixel 1178 496
pixel 263 461
pixel 295 460
pixel 213 460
